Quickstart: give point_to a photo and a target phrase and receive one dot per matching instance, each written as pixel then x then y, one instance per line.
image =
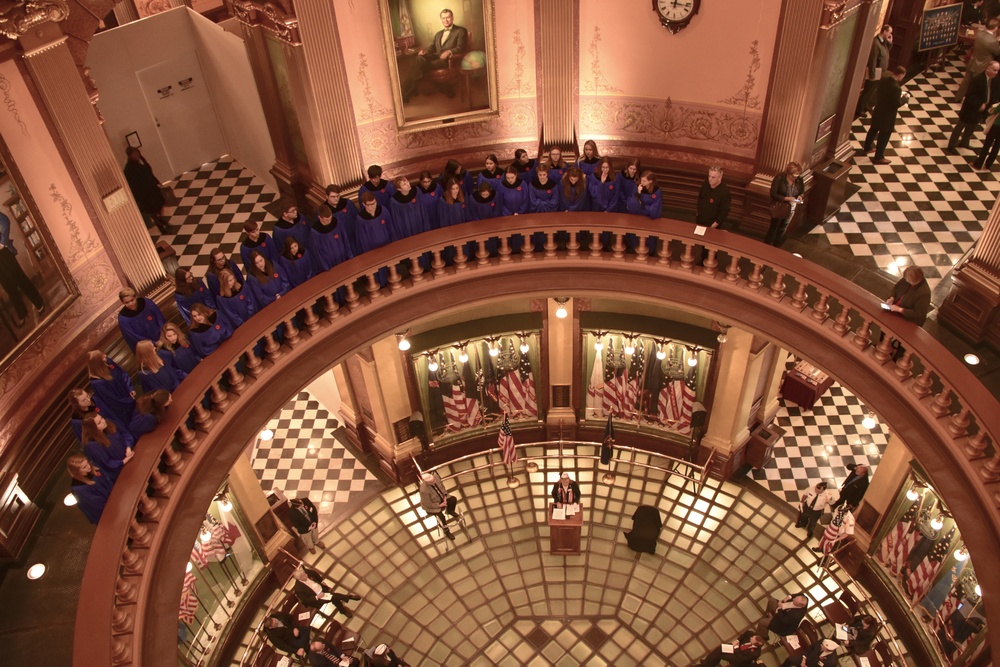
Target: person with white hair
pixel 312 592
pixel 821 654
pixel 435 500
pixel 565 491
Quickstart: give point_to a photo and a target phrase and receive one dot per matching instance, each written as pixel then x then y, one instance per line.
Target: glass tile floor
pixel 496 596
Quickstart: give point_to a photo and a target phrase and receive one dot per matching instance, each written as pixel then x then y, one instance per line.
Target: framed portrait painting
pixel 442 61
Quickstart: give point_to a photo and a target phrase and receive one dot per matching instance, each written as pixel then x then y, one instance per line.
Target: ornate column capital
pixel 277 18
pixel 17 18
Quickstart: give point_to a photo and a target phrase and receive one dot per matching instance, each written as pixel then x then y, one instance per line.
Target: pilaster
pixel 729 413
pixel 125 12
pixel 558 69
pixel 561 341
pixel 57 78
pixel 893 468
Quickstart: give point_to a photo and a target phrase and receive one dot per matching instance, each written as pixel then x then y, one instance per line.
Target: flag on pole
pixel 613 396
pixel 470 406
pixel 517 389
pixel 506 441
pixel 595 390
pixel 889 548
pixel 675 405
pixel 608 444
pixel 949 605
pixel 922 576
pixel 841 527
pixel 189 601
pixel 636 378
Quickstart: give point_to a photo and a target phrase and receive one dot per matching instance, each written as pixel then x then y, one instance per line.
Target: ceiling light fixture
pixel 432 362
pixel 561 311
pixel 524 343
pixel 402 342
pixel 266 435
pixel 971 359
pixel 36 571
pixel 69 500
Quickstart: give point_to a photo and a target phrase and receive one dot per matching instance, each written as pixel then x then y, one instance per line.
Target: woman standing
pixel 587 163
pixel 573 194
pixel 89 486
pixel 235 302
pixel 484 205
pixel 109 447
pixel 208 330
pixel 543 196
pixel 149 411
pixel 295 262
pixel 156 368
pixel 647 199
pixel 112 385
pixel 452 210
pixel 604 187
pixel 217 262
pixel 431 191
pixel 513 193
pixel 453 170
pixel 188 291
pixel 557 165
pixel 787 189
pixel 628 183
pixel 83 404
pixel 492 173
pixel 173 340
pixel 525 166
pixel 267 282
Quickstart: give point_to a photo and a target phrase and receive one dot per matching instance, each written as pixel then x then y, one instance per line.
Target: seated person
pixel 285 635
pixel 325 654
pixel 312 592
pixel 746 650
pixel 862 631
pixel 382 656
pixel 435 500
pixel 785 615
pixel 565 491
pixel 821 654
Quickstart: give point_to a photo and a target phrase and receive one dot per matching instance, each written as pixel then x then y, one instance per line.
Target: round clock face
pixel 675 10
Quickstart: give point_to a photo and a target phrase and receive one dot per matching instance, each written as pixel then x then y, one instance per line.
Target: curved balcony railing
pixel 130 592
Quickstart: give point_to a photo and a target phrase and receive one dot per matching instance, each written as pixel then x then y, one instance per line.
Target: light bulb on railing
pixel 937 522
pixel 962 554
pixel 432 364
pixel 912 493
pixel 598 345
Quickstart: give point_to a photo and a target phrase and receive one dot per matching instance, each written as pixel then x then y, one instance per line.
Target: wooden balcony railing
pixel 130 592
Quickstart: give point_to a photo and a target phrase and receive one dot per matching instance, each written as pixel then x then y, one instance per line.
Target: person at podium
pixel 565 491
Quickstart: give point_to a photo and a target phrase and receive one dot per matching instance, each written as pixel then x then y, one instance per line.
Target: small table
pixel 804 384
pixel 794 651
pixel 564 534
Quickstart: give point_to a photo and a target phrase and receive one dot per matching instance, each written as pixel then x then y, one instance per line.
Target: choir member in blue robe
pixel 149 411
pixel 557 165
pixel 112 385
pixel 484 204
pixel 345 212
pixel 647 201
pixel 525 166
pixel 217 262
pixel 513 193
pixel 109 447
pixel 491 173
pixel 407 211
pixel 603 187
pixel 296 262
pixel 90 486
pixel 82 404
pixel 293 224
pixel 376 185
pixel 189 291
pixel 573 195
pixel 235 301
pixel 543 194
pixel 453 170
pixel 452 210
pixel 267 281
pixel 628 183
pixel 374 224
pixel 139 319
pixel 255 240
pixel 587 163
pixel 431 191
pixel 208 330
pixel 331 244
pixel 173 340
pixel 156 368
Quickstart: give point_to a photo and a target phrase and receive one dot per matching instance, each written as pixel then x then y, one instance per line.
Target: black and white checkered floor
pixel 306 458
pixel 925 208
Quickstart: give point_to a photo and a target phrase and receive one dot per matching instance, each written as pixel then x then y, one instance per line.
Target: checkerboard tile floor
pixel 305 458
pixel 213 202
pixel 926 207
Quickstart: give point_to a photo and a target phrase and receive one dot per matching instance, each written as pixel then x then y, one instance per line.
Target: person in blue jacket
pixel 647 201
pixel 257 241
pixel 90 486
pixel 330 239
pixel 376 185
pixel 573 194
pixel 604 188
pixel 513 193
pixel 173 340
pixel 431 190
pixel 484 204
pixel 543 194
pixel 345 212
pixel 156 368
pixel 406 208
pixel 82 403
pixel 587 163
pixel 628 183
pixel 139 319
pixel 109 447
pixel 452 209
pixel 267 281
pixel 189 291
pixel 292 224
pixel 453 170
pixel 557 165
pixel 149 411
pixel 296 263
pixel 112 385
pixel 208 330
pixel 217 262
pixel 525 166
pixel 491 173
pixel 235 301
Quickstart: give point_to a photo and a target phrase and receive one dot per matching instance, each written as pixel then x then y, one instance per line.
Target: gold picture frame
pixel 431 91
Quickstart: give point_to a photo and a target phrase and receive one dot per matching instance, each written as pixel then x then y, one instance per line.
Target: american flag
pixel 517 389
pixel 189 601
pixel 198 555
pixel 921 578
pixel 595 390
pixel 506 441
pixel 949 605
pixel 636 377
pixel 614 396
pixel 833 534
pixel 456 409
pixel 674 405
pixel 470 388
pixel 899 535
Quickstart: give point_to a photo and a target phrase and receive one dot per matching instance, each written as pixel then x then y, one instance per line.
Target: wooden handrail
pixel 134 571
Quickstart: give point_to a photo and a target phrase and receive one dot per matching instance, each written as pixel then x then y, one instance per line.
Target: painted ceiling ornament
pixel 17 18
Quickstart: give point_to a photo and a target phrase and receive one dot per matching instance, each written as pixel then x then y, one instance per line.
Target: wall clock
pixel 675 14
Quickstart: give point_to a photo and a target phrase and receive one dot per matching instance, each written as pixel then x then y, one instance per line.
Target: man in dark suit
pixel 285 635
pixel 325 654
pixel 13 280
pixel 452 40
pixel 305 519
pixel 821 654
pixel 984 92
pixel 878 64
pixel 854 487
pixel 312 592
pixel 889 96
pixel 785 615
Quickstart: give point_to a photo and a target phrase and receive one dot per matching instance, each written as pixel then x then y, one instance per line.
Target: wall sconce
pixel 463 356
pixel 599 342
pixel 937 523
pixel 494 347
pixel 661 352
pixel 205 535
pixel 962 554
pixel 402 342
pixel 869 421
pixel 188 567
pixel 225 504
pixel 36 571
pixel 693 359
pixel 524 343
pixel 630 345
pixel 723 333
pixel 912 493
pixel 561 311
pixel 432 362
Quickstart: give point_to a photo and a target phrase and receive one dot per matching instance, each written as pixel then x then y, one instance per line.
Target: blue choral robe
pixel 201 294
pixel 298 230
pixel 603 194
pixel 383 192
pixel 626 188
pixel 299 269
pixel 213 279
pixel 264 244
pixel 110 459
pixel 513 197
pixel 206 338
pixel 115 393
pixel 408 214
pixel 431 197
pixel 185 359
pixel 264 293
pixel 165 378
pixel 587 165
pixel 374 231
pixel 142 324
pixel 237 308
pixel 91 498
pixel 543 198
pixel 331 244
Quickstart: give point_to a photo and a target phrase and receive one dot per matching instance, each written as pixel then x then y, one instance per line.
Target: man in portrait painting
pixel 449 42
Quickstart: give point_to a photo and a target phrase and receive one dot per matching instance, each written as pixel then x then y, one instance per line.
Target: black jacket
pixel 713 204
pixel 888 99
pixel 852 490
pixel 305 594
pixel 982 90
pixel 302 521
pixel 915 300
pixel 283 638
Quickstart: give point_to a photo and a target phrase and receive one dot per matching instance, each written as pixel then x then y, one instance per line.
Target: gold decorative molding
pixel 17 18
pixel 10 104
pixel 277 18
pixel 597 83
pixel 373 109
pixel 836 11
pixel 518 84
pixel 745 97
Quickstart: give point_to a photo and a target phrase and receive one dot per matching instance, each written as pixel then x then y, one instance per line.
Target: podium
pixel 564 534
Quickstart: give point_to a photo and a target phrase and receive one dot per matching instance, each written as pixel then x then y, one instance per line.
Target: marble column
pixel 557 30
pixel 562 339
pixel 57 78
pixel 972 307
